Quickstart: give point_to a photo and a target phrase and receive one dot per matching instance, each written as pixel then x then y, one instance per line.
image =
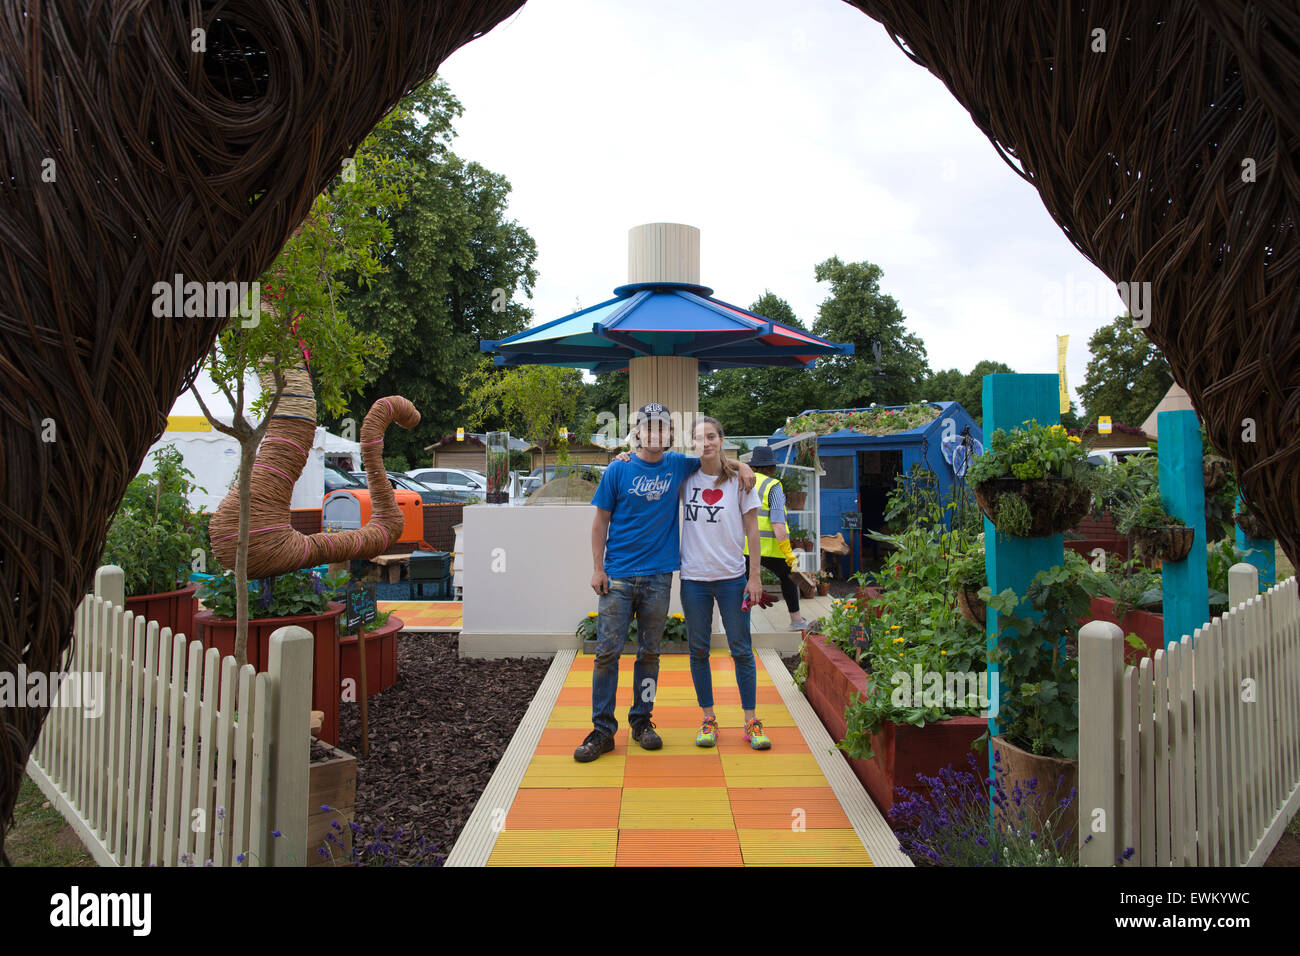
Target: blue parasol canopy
pixel 663 318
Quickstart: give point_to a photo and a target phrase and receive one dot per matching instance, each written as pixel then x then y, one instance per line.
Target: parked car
pixel 1108 456
pixel 428 496
pixel 461 480
pixel 336 478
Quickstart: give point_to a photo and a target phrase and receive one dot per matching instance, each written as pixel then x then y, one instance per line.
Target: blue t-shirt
pixel 641 499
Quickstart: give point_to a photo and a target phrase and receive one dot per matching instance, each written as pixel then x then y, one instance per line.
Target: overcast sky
pixel 787 132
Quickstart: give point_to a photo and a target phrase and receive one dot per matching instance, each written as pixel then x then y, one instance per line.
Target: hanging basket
pixel 1169 543
pixel 1215 472
pixel 970 605
pixel 1055 504
pixel 1252 526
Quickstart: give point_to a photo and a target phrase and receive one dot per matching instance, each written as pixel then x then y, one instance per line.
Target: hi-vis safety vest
pixel 770 546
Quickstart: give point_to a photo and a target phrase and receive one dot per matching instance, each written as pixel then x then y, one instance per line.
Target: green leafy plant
pixel 674 627
pixel 288 595
pixel 1039 709
pixel 1146 510
pixel 1219 559
pixel 1036 451
pixel 154 534
pixel 865 421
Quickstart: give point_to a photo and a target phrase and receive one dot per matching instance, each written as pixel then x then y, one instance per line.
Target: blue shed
pixel 860 468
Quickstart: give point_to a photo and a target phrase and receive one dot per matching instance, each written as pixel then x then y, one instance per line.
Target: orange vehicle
pixel 348 508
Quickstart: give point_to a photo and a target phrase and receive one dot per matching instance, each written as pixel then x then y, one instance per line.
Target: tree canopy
pixel 1126 375
pixel 453 277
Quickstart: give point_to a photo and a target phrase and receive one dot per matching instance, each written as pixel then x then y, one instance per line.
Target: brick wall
pixel 438 523
pixel 305 520
pixel 1103 527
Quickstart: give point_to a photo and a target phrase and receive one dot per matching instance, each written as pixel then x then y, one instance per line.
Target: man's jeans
pixel 646 596
pixel 697 606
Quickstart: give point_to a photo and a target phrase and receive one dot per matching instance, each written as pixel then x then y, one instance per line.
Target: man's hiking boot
pixel 643 732
pixel 597 743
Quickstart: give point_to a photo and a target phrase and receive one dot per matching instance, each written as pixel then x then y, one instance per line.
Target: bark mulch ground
pixel 435 737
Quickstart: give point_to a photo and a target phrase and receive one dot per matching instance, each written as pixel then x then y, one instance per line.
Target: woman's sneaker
pixel 754 734
pixel 708 735
pixel 597 743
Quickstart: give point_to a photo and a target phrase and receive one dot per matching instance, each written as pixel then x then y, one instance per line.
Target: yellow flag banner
pixel 188 423
pixel 1062 341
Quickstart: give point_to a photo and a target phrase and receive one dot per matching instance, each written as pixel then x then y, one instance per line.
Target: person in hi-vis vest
pixel 775 552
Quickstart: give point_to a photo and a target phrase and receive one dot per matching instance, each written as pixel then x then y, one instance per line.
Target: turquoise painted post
pixel 1182 487
pixel 1011 562
pixel 1263 555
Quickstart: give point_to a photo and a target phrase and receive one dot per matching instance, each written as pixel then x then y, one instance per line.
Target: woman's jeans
pixel 697 606
pixel 646 596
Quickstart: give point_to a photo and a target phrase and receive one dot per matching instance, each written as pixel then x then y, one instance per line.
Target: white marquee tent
pixel 213 457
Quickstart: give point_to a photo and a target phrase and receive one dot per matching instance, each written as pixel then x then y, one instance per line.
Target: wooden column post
pixel 1264 557
pixel 1182 487
pixel 665 252
pixel 1011 562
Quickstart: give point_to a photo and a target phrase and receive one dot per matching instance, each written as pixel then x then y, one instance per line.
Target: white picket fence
pixel 1193 757
pixel 186 758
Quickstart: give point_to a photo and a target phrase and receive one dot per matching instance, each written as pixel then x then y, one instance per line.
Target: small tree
pixel 301 316
pixel 535 399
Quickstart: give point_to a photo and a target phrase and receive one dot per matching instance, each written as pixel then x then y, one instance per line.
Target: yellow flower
pixel 895 627
pixel 591 614
pixel 900 657
pixel 680 617
pixel 1076 439
pixel 943 653
pixel 900 640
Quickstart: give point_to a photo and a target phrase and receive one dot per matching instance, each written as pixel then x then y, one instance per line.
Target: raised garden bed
pixel 1149 627
pixel 219 632
pixel 174 609
pixel 381 657
pixel 901 750
pixel 332 783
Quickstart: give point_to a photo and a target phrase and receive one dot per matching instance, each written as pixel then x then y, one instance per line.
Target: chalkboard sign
pixel 361 606
pixel 858 635
pixel 851 521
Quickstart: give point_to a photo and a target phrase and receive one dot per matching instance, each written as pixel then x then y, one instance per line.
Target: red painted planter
pixel 174 609
pixel 901 750
pixel 1150 627
pixel 381 657
pixel 219 632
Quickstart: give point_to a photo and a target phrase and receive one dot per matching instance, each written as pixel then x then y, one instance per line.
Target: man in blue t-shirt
pixel 634 549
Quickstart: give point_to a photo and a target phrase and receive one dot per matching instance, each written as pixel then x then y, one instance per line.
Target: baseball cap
pixel 653 411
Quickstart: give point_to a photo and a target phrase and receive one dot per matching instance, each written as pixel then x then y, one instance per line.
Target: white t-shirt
pixel 713 532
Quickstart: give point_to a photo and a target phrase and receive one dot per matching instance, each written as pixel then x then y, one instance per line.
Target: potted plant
pixel 799 538
pixel 1039 678
pixel 1153 531
pixel 823 583
pixel 302 598
pixel 498 467
pixel 1032 482
pixel 153 539
pixel 796 489
pixel 1251 524
pixel 381 653
pixel 968 576
pixel 674 640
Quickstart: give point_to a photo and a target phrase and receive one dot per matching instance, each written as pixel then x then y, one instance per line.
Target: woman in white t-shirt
pixel 717 515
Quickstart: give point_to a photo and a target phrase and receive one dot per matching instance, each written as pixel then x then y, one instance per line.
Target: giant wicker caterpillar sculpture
pixel 274 547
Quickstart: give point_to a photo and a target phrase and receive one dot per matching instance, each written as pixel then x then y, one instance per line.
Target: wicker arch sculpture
pixel 274 547
pixel 129 158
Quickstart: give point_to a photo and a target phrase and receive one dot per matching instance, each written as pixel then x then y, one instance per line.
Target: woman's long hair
pixel 729 469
